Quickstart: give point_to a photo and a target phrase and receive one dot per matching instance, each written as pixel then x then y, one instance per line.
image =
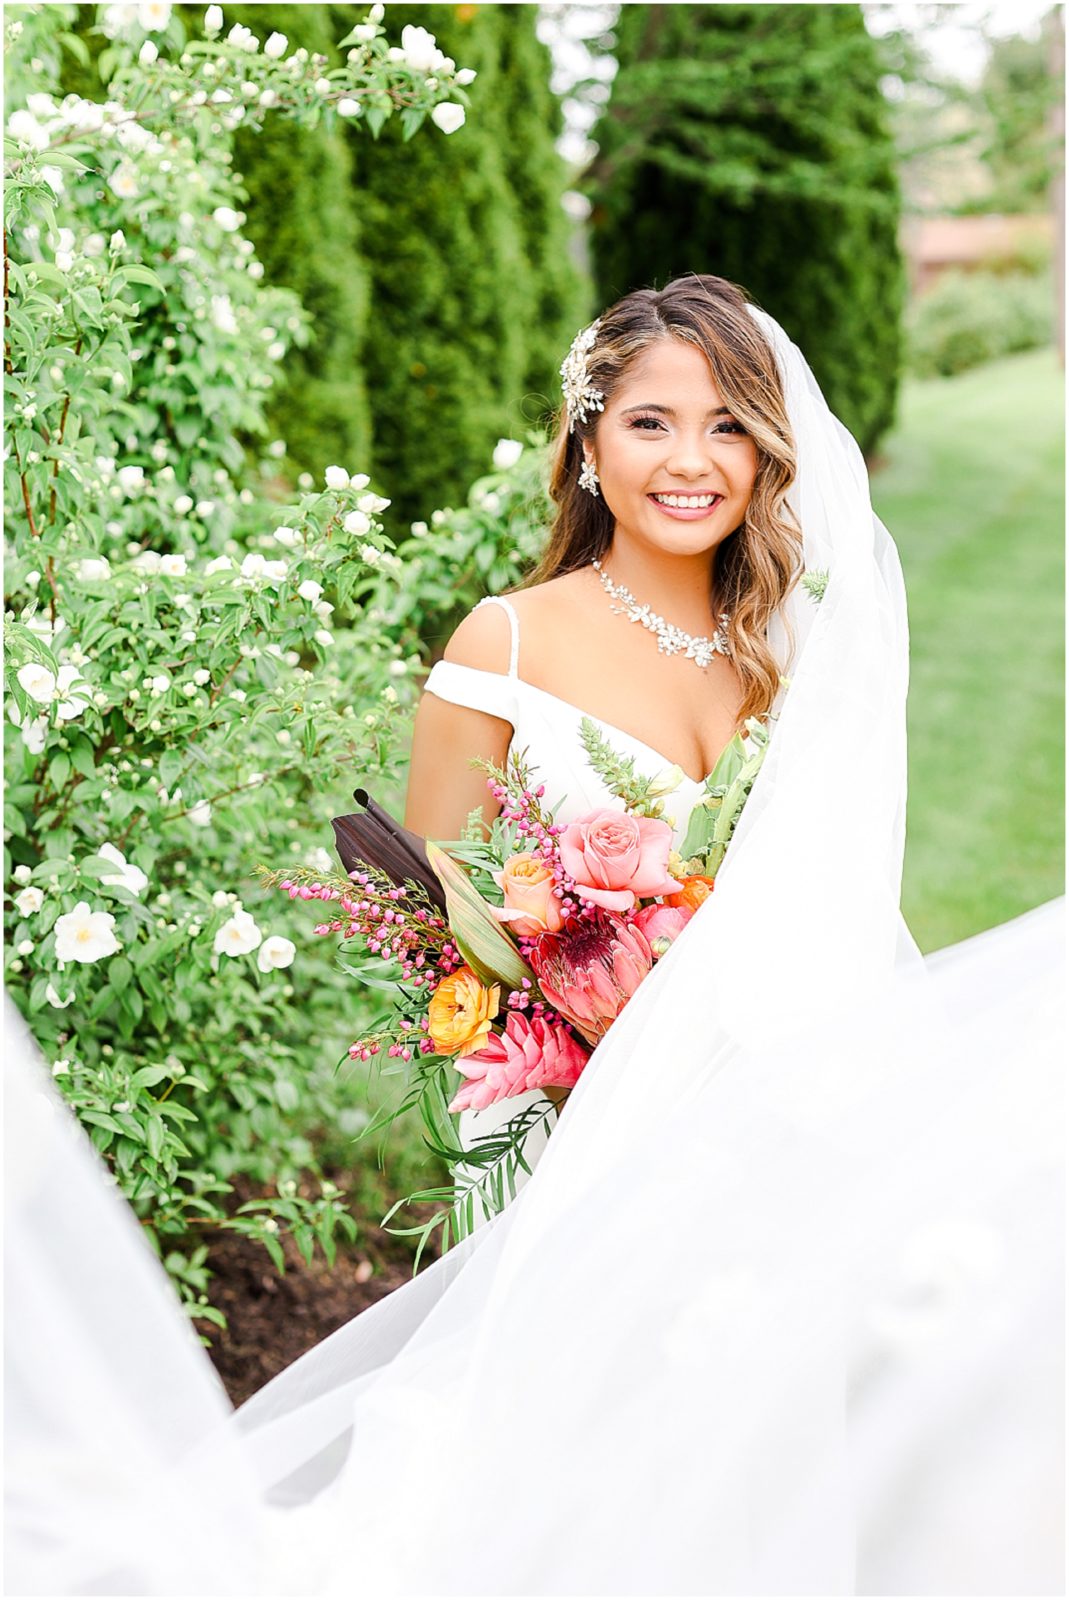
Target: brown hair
pixel 759 562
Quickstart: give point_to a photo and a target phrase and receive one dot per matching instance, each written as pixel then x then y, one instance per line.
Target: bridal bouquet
pixel 511 957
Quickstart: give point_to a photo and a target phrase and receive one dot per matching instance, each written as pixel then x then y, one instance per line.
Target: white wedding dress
pixel 778 1311
pixel 547 729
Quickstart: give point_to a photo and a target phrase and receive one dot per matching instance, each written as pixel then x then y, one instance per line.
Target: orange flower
pixel 460 1012
pixel 530 905
pixel 694 891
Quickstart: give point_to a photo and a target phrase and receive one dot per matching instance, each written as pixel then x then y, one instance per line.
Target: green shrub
pixel 971 317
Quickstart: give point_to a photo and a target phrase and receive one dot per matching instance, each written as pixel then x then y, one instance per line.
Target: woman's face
pixel 675 468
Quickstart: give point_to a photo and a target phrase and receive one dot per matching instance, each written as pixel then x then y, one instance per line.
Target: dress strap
pixel 514 627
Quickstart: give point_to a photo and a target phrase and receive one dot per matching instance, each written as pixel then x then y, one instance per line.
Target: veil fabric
pixel 778 1310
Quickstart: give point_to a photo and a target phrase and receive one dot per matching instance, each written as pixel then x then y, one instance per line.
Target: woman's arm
pixel 442 787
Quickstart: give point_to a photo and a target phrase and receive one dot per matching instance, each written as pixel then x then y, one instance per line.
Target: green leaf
pixel 480 938
pixel 147 1077
pixel 119 974
pixel 275 1251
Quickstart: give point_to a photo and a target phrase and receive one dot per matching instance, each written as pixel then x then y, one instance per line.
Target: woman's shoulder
pixel 483 639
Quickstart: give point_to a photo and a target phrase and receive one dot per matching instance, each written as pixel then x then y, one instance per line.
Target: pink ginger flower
pixel 616 858
pixel 530 1054
pixel 662 925
pixel 590 970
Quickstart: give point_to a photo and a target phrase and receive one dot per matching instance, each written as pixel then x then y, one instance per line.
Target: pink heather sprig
pixel 400 1041
pixel 521 805
pixel 412 934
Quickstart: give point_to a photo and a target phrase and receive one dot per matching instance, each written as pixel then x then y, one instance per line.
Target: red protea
pixel 589 971
pixel 530 1054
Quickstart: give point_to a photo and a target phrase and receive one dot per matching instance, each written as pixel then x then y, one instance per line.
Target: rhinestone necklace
pixel 670 639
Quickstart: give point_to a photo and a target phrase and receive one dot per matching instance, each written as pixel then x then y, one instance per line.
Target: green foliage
pixel 968 318
pixel 178 705
pixel 753 142
pixel 1015 101
pixel 468 265
pixel 303 220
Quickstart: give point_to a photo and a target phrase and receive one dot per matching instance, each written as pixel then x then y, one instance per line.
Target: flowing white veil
pixel 778 1310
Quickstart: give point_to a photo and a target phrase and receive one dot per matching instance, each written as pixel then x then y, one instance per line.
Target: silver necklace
pixel 670 639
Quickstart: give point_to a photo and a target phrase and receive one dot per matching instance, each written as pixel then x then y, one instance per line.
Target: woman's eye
pixel 732 427
pixel 645 423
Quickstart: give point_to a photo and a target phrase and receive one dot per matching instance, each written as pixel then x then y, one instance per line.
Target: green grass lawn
pixel 972 493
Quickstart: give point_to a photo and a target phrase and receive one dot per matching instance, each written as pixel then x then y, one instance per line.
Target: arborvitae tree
pixel 752 141
pixel 467 259
pixel 532 119
pixel 303 221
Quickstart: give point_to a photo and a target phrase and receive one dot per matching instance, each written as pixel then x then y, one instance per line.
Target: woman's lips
pixel 686 513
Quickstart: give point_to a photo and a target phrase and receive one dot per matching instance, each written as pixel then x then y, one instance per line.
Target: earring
pixel 588 478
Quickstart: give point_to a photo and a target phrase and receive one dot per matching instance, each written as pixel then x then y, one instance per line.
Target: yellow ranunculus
pixel 460 1012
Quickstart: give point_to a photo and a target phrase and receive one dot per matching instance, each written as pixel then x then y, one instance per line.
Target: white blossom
pixel 29 901
pixel 276 45
pixel 222 314
pixel 372 503
pixel 310 590
pixel 148 53
pixel 38 681
pixel 337 478
pixel 243 38
pixel 183 504
pixel 117 241
pixel 93 569
pixel 449 116
pixel 218 564
pixel 213 19
pixel 506 454
pixel 268 98
pixel 124 182
pixel 359 480
pixel 205 508
pixel 228 219
pixel 357 522
pixel 253 565
pixel 173 566
pixel 53 176
pixel 34 731
pixel 62 1067
pixel 364 32
pixel 324 637
pixel 24 127
pixel 371 554
pixel 131 479
pixel 148 561
pixel 275 952
pixel 201 677
pixel 85 935
pixel 465 76
pixel 128 876
pixel 154 15
pixel 52 996
pixel 23 873
pixel 201 814
pixel 238 936
pixel 420 49
pixel 348 107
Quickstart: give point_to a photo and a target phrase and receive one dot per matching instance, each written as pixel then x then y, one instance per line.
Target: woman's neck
pixel 677 587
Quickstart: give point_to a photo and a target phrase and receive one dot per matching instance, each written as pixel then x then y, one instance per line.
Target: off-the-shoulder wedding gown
pixel 547 728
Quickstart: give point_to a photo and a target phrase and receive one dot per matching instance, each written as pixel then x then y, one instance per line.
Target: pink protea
pixel 662 925
pixel 530 1054
pixel 590 970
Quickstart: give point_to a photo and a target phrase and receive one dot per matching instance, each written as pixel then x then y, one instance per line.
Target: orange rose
pixel 694 891
pixel 530 904
pixel 460 1012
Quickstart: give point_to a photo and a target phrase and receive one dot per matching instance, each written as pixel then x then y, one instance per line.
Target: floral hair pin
pixel 580 397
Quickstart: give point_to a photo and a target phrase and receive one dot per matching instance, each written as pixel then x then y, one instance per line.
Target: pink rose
pixel 530 905
pixel 616 858
pixel 662 925
pixel 530 1054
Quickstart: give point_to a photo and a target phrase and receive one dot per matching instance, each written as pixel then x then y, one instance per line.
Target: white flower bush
pixel 178 708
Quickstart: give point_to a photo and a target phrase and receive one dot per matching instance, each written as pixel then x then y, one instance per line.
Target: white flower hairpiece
pixel 579 394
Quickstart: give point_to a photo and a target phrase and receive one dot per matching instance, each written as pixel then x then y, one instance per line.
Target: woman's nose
pixel 691 456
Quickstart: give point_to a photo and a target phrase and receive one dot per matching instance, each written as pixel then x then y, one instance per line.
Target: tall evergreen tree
pixel 752 141
pixel 303 221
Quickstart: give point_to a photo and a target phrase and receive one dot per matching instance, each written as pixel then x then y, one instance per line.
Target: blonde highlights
pixel 758 564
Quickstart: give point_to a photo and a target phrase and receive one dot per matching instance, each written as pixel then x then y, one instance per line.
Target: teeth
pixel 687 502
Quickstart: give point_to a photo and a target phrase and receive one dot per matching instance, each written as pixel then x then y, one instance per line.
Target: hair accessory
pixel 588 478
pixel 579 396
pixel 670 639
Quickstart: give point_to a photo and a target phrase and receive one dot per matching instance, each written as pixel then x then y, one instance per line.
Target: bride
pixel 778 1308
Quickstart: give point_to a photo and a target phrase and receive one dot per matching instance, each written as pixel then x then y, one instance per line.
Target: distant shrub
pixel 972 317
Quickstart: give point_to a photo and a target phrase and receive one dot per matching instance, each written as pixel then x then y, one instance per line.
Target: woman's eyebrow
pixel 666 411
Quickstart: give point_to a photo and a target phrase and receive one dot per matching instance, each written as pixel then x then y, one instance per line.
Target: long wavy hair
pixel 760 561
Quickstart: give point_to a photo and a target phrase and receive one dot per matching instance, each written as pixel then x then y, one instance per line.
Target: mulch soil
pixel 275 1317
